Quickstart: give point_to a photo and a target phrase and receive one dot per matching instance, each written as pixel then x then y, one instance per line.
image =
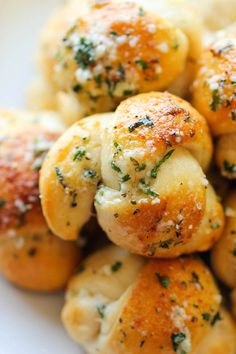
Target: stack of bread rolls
pixel 141 124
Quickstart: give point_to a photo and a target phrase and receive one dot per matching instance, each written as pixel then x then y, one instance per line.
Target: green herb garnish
pixel 144 65
pixel 115 167
pixel 80 153
pixel 234 252
pixel 158 165
pixel 215 226
pixel 125 178
pixel 2 202
pixel 229 167
pixel 60 177
pixel 117 146
pixel 101 310
pixel 216 318
pixel 177 339
pixel 164 280
pixel 77 88
pixel 90 173
pixel 114 33
pixel 146 121
pixel 116 266
pixel 216 101
pixel 138 167
pixel 98 79
pixel 141 11
pixel 146 188
pixel 206 316
pixel 84 55
pixel 233 115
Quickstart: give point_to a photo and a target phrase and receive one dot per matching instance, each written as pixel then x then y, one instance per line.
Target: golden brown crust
pixel 226 155
pixel 175 123
pixel 33 258
pixel 224 252
pixel 214 87
pixel 20 160
pixel 153 314
pixel 214 95
pixel 143 206
pixel 95 55
pixel 154 198
pixel 221 338
pixel 168 306
pixel 30 256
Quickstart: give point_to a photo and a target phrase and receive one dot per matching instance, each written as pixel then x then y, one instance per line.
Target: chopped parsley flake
pixel 116 266
pixel 143 64
pixel 117 146
pixel 98 79
pixel 158 165
pixel 60 177
pixel 141 11
pixel 229 167
pixel 80 153
pixel 138 167
pixel 73 195
pixel 2 203
pixel 127 92
pixel 234 252
pixel 177 339
pixel 164 280
pixel 216 318
pixel 101 310
pixel 206 316
pixel 233 115
pixel 142 343
pixel 125 178
pixel 215 226
pixel 77 88
pixel 196 279
pixel 146 121
pixel 216 101
pixel 115 167
pixel 176 46
pixel 114 33
pixel 84 55
pixel 146 188
pixel 90 173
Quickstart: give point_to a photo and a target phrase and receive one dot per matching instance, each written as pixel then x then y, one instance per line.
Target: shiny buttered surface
pixel 214 95
pixel 70 176
pixel 93 54
pixel 119 303
pixel 143 167
pixel 30 255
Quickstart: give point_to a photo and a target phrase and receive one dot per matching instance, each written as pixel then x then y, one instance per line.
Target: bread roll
pixel 216 14
pixel 70 176
pixel 119 303
pixel 214 95
pixel 30 255
pixel 155 199
pixel 94 54
pixel 224 252
pixel 143 166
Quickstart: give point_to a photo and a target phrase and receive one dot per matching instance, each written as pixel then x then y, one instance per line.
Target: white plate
pixel 29 323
